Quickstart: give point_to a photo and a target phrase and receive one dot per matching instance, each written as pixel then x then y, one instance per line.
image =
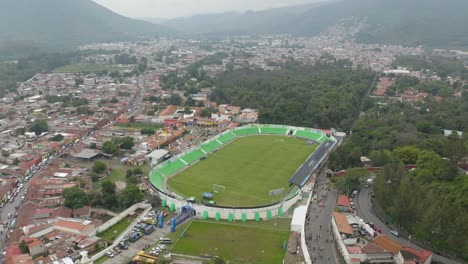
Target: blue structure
pixel 173 225
pixel 207 195
pixel 186 212
pixel 160 220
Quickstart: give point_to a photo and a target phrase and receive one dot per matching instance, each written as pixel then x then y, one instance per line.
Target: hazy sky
pixel 178 8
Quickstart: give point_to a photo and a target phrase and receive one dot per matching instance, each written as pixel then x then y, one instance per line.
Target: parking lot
pixel 142 243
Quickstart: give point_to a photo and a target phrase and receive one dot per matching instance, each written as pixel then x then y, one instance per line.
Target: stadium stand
pixel 170 168
pixel 308 135
pixel 226 138
pixel 211 146
pixel 157 179
pixel 246 131
pixel 193 156
pixel 274 130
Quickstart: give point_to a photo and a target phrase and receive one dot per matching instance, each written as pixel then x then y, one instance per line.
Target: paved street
pixel 317 228
pixel 365 210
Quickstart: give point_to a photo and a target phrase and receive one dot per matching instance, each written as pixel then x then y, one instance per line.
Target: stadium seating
pixel 157 179
pixel 211 146
pixel 226 137
pixel 193 156
pixel 308 135
pixel 170 168
pixel 246 131
pixel 274 130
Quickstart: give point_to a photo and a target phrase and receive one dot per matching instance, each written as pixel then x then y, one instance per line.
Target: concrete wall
pixel 119 217
pixel 305 249
pixel 224 212
pixel 341 246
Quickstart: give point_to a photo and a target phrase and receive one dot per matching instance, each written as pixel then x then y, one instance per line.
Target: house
pixel 388 244
pixel 36 248
pixel 157 156
pixel 83 212
pixel 343 203
pixel 342 224
pixel 411 255
pixel 375 253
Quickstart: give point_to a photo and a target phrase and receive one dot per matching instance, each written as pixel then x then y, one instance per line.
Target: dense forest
pixel 430 200
pixel 328 94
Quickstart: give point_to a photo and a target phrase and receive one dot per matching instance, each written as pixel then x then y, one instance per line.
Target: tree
pixel 114 100
pixel 75 198
pixel 5 153
pixel 132 195
pixel 129 173
pixel 206 112
pixel 125 142
pixel 147 131
pixel 99 167
pixel 110 148
pixel 351 180
pixel 57 137
pixel 108 187
pixel 407 154
pixel 23 246
pixel 16 161
pixel 39 126
pixel 175 99
pixel 132 180
pixel 137 171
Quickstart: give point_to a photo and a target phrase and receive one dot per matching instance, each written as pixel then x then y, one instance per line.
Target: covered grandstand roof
pixel 303 174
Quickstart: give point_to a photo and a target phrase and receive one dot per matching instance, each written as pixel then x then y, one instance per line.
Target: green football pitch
pixel 237 243
pixel 249 168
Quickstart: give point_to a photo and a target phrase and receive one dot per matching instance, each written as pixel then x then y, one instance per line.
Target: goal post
pixel 218 188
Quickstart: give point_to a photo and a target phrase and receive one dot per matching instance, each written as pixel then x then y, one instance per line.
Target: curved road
pixel 366 211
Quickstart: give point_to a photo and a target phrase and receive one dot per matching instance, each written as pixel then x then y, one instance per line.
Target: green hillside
pixel 433 23
pixel 62 23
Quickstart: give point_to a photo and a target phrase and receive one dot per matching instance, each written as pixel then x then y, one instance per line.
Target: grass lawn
pixel 85 67
pixel 249 168
pixel 114 231
pixel 232 241
pixel 101 260
pixel 139 126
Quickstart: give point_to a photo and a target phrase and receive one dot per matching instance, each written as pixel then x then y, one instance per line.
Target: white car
pixel 395 233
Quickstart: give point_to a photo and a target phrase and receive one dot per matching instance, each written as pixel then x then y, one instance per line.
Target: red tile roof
pixel 343 200
pixel 387 243
pixel 422 255
pixel 342 223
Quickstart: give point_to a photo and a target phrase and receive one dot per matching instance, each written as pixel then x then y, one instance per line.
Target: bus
pixel 164 240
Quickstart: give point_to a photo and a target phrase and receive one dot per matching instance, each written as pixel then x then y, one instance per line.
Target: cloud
pixel 178 8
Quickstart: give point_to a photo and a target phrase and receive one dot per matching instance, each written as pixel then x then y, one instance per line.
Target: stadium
pixel 248 172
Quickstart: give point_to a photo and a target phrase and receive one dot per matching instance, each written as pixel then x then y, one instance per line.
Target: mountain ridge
pixel 69 22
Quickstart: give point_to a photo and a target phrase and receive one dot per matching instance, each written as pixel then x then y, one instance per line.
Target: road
pixel 365 210
pixel 135 107
pixel 317 225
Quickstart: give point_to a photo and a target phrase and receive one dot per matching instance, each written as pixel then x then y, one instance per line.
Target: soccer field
pixel 237 243
pixel 249 167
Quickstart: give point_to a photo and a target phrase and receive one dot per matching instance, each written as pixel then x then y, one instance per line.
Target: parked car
pixel 110 254
pixel 395 233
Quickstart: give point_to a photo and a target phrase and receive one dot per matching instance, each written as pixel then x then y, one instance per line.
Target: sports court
pixel 247 169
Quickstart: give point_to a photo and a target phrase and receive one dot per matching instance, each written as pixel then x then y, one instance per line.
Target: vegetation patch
pixel 114 231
